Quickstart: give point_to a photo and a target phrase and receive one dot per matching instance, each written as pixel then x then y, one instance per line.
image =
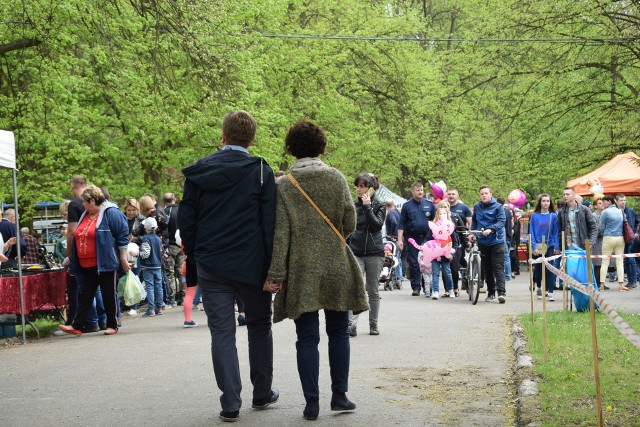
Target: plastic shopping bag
pixel 577 269
pixel 132 294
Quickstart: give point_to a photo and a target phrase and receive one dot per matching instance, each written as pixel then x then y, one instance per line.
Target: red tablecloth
pixel 44 290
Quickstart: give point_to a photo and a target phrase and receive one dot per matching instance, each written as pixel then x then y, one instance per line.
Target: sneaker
pixel 166 307
pixel 91 327
pixel 173 304
pixel 191 324
pixel 632 285
pixel 490 298
pixel 148 314
pixel 435 295
pixel 271 398
pixel 196 308
pixel 452 294
pixel 373 330
pixel 502 299
pixel 539 293
pixel 133 312
pixel 159 312
pixel 551 298
pixel 229 416
pixel 415 293
pixel 353 331
pixel 201 308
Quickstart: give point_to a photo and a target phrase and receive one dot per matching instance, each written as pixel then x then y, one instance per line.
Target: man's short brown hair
pixel 239 128
pixel 79 181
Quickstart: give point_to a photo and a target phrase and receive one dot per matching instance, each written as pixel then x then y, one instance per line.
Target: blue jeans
pixel 630 265
pixel 153 284
pixel 507 261
pixel 446 274
pixel 197 297
pixel 308 331
pixel 399 267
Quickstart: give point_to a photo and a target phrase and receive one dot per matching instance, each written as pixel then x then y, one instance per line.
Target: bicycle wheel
pixel 474 281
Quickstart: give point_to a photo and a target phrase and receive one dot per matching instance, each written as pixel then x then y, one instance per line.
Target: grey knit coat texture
pixel 318 271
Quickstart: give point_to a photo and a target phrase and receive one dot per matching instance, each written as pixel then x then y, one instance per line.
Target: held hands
pixel 272 286
pixel 125 264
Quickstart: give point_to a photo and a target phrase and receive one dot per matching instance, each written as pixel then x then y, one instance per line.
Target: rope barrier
pixel 620 324
pixel 539 260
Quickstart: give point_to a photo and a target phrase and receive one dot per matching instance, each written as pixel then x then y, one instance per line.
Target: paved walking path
pixel 435 363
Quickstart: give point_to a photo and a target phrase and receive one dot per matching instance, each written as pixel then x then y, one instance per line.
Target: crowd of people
pixel 272 246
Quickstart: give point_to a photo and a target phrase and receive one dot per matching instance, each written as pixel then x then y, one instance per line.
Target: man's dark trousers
pixel 414 268
pixel 493 268
pixel 218 297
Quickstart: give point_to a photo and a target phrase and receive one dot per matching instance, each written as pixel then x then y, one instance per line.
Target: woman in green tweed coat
pixel 313 268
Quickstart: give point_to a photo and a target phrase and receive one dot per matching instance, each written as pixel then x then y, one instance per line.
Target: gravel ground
pixel 435 363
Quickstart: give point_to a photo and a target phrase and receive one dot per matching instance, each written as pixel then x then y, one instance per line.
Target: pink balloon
pixel 438 189
pixel 517 198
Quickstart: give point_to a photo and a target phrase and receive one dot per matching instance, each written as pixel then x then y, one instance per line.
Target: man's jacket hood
pixel 226 175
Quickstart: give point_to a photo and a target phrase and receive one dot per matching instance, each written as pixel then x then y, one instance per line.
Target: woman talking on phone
pixel 366 244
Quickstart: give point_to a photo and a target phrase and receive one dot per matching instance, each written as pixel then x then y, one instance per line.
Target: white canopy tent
pixel 8 160
pixel 384 194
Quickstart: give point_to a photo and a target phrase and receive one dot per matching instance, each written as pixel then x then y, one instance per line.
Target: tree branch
pixel 18 45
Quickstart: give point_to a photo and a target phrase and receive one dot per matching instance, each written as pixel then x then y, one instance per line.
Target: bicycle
pixel 473 279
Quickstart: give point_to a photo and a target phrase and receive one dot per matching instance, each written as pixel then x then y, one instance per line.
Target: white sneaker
pixel 435 295
pixel 133 312
pixel 201 307
pixel 452 294
pixel 551 298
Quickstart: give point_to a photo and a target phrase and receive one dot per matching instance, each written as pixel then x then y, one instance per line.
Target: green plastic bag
pixel 131 291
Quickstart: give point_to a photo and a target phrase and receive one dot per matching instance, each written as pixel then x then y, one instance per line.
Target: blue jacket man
pixel 489 216
pixel 414 223
pixel 227 221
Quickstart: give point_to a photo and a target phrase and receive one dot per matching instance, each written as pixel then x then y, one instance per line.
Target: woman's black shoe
pixel 339 402
pixel 312 410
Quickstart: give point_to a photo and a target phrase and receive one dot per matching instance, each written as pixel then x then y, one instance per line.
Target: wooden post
pixel 531 284
pixel 543 249
pixel 594 337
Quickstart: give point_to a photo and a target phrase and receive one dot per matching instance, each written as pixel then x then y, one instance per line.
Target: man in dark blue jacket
pixel 226 221
pixel 630 266
pixel 488 216
pixel 414 223
pixel 8 230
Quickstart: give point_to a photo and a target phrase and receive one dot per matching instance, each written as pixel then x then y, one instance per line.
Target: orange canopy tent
pixel 619 175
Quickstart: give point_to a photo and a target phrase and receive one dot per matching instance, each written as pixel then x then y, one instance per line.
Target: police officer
pixel 414 223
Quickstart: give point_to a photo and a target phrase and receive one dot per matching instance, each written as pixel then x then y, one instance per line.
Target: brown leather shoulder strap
pixel 326 219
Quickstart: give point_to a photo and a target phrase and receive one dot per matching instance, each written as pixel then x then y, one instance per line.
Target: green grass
pixel 45 324
pixel 567 387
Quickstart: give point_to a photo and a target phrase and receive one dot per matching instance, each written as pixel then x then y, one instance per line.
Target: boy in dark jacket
pixel 150 262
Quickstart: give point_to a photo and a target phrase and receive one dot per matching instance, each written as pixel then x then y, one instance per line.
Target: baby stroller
pixel 388 273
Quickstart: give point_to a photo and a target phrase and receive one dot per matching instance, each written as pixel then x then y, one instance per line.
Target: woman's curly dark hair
pixel 305 139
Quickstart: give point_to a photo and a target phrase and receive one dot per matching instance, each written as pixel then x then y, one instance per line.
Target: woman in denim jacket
pixel 612 241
